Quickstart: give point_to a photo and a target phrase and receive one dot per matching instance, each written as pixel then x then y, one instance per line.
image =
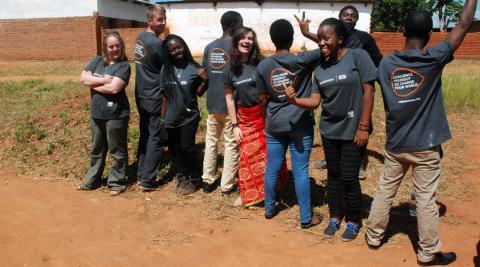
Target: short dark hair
pixel 347 7
pixel 281 33
pixel 229 19
pixel 339 27
pixel 418 24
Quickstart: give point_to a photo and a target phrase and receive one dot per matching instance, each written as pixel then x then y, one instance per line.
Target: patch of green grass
pixel 461 92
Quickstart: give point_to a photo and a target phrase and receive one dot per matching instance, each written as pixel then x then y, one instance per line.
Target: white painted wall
pixel 199 23
pixel 122 10
pixel 27 9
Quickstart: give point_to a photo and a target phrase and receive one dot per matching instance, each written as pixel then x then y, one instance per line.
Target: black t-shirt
pixel 215 58
pixel 107 106
pixel 277 72
pixel 412 93
pixel 182 106
pixel 340 86
pixel 148 63
pixel 244 87
pixel 363 40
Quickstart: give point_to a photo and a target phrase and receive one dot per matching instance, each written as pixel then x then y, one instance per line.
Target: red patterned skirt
pixel 253 155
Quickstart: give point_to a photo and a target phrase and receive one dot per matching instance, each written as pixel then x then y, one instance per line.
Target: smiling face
pixel 157 23
pixel 175 50
pixel 328 41
pixel 114 49
pixel 245 44
pixel 349 17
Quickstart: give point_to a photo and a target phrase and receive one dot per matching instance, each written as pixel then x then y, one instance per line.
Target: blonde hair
pixel 104 46
pixel 154 10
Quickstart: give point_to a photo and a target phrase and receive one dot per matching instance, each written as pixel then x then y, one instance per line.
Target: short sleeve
pixel 92 65
pixel 442 52
pixel 315 86
pixel 311 58
pixel 205 58
pixel 260 83
pixel 365 66
pixel 123 71
pixel 227 76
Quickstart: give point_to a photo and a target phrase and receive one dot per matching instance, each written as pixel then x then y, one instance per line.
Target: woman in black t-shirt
pixel 182 80
pixel 344 84
pixel 246 108
pixel 107 76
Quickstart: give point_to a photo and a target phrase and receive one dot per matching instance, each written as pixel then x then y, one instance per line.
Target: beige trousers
pixel 426 174
pixel 216 123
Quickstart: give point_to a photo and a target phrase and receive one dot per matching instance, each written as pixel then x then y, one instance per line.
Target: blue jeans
pixel 300 142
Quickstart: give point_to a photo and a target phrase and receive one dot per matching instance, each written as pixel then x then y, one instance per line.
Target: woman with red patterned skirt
pixel 246 110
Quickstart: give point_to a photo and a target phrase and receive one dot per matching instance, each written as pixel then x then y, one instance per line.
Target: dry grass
pixel 46 131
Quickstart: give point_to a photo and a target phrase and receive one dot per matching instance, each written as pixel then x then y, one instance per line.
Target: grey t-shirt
pixel 182 106
pixel 148 63
pixel 244 87
pixel 108 106
pixel 215 58
pixel 412 94
pixel 274 74
pixel 340 86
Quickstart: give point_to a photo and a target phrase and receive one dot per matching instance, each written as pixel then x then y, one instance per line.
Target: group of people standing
pixel 263 106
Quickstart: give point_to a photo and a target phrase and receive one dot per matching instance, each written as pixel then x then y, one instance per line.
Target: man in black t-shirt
pixel 148 94
pixel 215 58
pixel 416 125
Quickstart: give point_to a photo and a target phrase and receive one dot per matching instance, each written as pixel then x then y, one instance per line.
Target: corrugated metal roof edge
pixel 263 1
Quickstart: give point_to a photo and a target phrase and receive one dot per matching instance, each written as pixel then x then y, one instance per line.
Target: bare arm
pixel 232 112
pixel 458 33
pixel 304 28
pixel 361 136
pixel 113 88
pixel 202 87
pixel 89 80
pixel 311 102
pixel 163 110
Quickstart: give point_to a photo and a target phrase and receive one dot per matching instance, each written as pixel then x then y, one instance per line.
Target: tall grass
pixel 461 92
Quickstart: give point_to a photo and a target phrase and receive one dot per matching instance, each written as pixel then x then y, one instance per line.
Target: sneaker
pixel 231 191
pixel 361 173
pixel 440 259
pixel 314 221
pixel 208 188
pixel 332 227
pixel 185 186
pixel 351 232
pixel 321 164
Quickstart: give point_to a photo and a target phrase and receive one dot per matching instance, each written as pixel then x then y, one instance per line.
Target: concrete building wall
pixel 199 23
pixel 28 9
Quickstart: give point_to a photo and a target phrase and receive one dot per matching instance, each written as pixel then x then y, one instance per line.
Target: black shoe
pixel 440 259
pixel 372 247
pixel 273 214
pixel 331 229
pixel 185 186
pixel 208 188
pixel 351 232
pixel 314 221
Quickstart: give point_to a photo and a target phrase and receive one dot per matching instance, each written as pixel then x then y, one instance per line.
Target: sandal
pixel 82 187
pixel 115 192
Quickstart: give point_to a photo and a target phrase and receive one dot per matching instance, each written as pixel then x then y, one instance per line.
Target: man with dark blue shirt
pixel 416 125
pixel 215 58
pixel 148 95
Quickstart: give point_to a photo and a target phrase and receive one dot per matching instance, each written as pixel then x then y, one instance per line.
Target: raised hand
pixel 303 23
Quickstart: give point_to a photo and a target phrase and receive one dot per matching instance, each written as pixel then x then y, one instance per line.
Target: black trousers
pixel 343 186
pixel 153 138
pixel 181 143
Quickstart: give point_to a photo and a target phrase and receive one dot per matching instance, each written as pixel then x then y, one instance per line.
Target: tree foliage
pixel 387 15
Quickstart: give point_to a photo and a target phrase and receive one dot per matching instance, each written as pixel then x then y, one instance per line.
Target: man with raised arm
pixel 416 128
